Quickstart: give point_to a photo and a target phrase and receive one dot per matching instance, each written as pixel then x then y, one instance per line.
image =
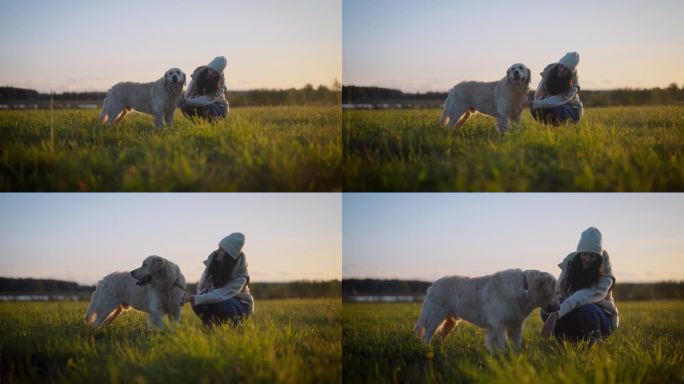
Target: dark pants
pixel 211 112
pixel 587 322
pixel 558 115
pixel 231 310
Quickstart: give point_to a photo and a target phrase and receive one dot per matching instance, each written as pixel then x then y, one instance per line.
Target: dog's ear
pixel 529 76
pixel 159 264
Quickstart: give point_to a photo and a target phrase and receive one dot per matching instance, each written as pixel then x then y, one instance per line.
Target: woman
pixel 557 97
pixel 223 291
pixel 205 96
pixel 587 310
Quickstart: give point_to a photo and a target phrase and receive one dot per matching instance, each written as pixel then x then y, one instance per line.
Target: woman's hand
pixel 187 297
pixel 549 324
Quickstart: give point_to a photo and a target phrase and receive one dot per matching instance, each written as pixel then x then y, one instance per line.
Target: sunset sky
pixel 427 236
pixel 79 45
pixel 431 45
pixel 83 237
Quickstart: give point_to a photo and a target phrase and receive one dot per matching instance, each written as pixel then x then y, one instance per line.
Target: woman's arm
pixel 586 296
pixel 222 294
pixel 198 101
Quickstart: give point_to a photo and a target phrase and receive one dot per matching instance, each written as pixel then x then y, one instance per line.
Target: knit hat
pixel 218 64
pixel 570 60
pixel 591 241
pixel 233 244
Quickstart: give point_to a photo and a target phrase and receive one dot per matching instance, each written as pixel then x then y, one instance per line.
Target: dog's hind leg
pixel 433 320
pixel 120 116
pixel 112 316
pixel 461 120
pixel 103 312
pixel 447 326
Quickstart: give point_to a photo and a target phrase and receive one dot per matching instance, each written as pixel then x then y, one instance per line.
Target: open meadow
pixel 611 149
pixel 286 341
pixel 255 149
pixel 380 347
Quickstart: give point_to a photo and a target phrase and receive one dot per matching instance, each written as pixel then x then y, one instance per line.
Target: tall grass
pixel 611 149
pixel 254 149
pixel 380 347
pixel 289 341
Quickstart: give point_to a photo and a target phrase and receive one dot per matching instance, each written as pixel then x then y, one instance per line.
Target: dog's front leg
pixel 495 338
pixel 155 318
pixel 502 123
pixel 159 120
pixel 515 333
pixel 169 118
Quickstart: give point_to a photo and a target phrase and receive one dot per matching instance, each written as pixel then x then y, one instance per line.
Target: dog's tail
pixel 89 316
pixel 446 111
pixel 420 324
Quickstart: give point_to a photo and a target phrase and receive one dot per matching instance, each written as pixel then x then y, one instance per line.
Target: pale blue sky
pixel 83 237
pixel 427 236
pixel 79 45
pixel 433 44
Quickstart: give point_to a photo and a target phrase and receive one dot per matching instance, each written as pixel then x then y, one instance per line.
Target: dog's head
pixel 541 290
pixel 153 268
pixel 519 74
pixel 175 78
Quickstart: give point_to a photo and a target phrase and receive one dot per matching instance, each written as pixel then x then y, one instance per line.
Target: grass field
pixel 379 346
pixel 254 149
pixel 288 341
pixel 611 149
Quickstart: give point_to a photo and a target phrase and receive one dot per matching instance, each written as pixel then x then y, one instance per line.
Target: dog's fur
pixel 153 288
pixel 504 99
pixel 158 98
pixel 495 302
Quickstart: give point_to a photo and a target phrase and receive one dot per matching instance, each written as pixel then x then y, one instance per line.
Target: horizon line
pixel 446 91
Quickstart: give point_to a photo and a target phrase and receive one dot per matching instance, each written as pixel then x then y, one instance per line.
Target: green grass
pixel 380 346
pixel 288 341
pixel 254 149
pixel 611 149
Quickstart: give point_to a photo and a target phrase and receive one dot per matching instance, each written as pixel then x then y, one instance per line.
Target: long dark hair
pixel 557 85
pixel 207 86
pixel 220 271
pixel 579 278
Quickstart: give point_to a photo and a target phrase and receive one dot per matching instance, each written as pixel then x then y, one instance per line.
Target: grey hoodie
pixel 600 293
pixel 542 100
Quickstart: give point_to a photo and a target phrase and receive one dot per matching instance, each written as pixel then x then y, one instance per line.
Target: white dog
pixel 500 303
pixel 504 99
pixel 158 98
pixel 154 288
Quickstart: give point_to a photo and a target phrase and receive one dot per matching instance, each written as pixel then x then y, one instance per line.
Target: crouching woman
pixel 223 292
pixel 587 310
pixel 205 96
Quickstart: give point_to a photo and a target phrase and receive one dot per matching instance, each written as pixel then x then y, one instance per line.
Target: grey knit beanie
pixel 233 244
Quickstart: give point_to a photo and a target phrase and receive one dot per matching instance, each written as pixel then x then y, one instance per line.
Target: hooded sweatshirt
pixel 542 100
pixel 194 97
pixel 601 292
pixel 237 285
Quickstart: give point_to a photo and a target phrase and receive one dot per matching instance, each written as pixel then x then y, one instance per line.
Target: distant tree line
pixel 268 291
pixel 671 95
pixel 621 291
pixel 374 287
pixel 309 95
pixel 11 285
